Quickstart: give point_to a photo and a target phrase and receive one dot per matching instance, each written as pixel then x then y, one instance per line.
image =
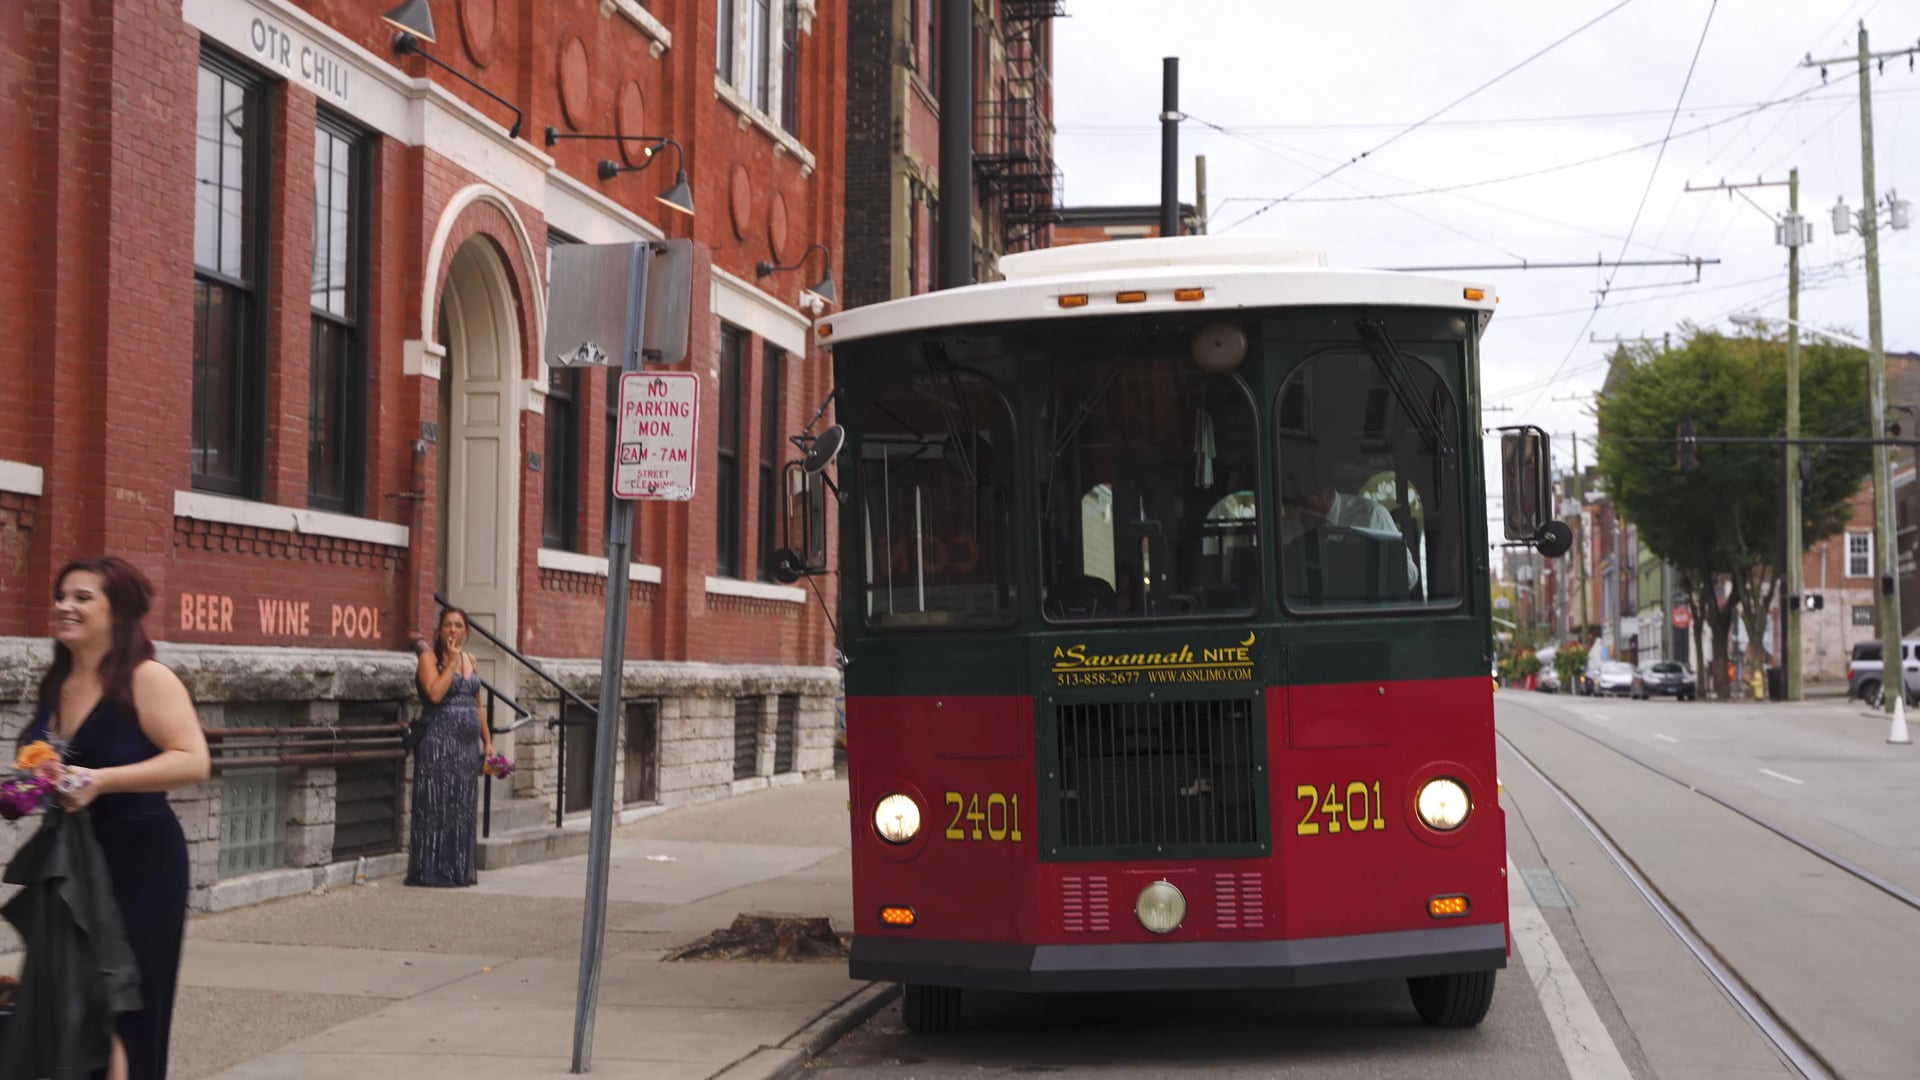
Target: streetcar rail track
pixel 1792 1049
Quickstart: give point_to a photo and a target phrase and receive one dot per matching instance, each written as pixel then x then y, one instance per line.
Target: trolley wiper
pixel 1393 368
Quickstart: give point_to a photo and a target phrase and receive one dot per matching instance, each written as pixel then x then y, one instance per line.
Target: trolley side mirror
pixel 1526 473
pixel 803 527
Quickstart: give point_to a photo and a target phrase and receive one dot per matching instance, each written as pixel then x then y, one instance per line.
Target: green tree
pixel 1570 663
pixel 1723 522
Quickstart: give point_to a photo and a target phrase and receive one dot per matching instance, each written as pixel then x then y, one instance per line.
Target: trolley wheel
pixel 1452 1000
pixel 930 1010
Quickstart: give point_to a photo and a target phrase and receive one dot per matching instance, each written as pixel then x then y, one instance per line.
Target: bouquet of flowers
pixel 37 772
pixel 497 767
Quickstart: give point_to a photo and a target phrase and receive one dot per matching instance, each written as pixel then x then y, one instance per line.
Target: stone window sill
pixel 642 18
pixel 755 590
pixel 575 563
pixel 783 140
pixel 201 506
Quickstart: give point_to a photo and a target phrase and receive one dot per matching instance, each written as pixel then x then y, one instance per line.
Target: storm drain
pixel 1546 888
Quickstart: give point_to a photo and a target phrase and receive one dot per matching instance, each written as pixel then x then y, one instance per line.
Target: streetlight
pixel 1891 631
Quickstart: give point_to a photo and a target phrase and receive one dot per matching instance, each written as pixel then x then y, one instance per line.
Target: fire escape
pixel 1013 128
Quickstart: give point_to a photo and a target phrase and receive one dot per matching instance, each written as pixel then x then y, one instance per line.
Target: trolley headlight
pixel 1443 804
pixel 1160 908
pixel 896 818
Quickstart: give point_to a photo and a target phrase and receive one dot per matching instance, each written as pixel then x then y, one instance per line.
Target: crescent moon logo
pixel 1249 640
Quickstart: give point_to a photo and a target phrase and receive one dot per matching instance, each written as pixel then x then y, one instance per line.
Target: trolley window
pixel 1370 492
pixel 936 453
pixel 1149 478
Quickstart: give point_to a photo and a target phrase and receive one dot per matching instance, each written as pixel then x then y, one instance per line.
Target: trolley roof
pixel 1187 274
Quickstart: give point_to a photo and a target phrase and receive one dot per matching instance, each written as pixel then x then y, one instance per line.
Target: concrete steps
pixel 523 833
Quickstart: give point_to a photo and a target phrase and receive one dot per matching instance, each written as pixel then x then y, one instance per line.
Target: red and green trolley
pixel 1163 591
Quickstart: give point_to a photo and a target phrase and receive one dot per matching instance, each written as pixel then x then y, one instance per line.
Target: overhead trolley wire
pixel 1436 114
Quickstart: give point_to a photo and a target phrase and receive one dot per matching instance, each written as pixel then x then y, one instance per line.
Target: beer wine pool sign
pixel 658 435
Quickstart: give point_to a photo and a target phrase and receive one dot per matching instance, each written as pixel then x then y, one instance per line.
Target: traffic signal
pixel 1683 437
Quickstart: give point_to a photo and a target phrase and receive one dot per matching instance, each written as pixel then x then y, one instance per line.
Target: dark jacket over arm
pixel 78 972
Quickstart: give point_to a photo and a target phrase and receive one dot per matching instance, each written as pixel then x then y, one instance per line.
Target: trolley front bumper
pixel 1180 965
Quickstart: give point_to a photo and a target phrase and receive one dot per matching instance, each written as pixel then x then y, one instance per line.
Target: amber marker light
pixel 1188 295
pixel 1447 907
pixel 1071 300
pixel 897 916
pixel 1476 294
pixel 825 330
pixel 1131 296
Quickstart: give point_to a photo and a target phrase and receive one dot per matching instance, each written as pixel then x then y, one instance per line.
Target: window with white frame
pixel 1859 554
pixel 758 55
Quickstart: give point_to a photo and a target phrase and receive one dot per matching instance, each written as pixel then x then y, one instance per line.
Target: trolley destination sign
pixel 1079 664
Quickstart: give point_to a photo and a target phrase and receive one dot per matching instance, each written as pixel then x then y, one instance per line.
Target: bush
pixel 1570 663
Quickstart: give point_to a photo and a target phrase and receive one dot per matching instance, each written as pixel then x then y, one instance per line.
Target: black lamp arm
pixel 611 169
pixel 405 44
pixel 764 268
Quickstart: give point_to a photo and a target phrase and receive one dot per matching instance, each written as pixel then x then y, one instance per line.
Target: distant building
pixel 1090 224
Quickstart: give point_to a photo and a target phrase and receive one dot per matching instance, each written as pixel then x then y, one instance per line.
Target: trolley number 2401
pixel 1000 821
pixel 1357 806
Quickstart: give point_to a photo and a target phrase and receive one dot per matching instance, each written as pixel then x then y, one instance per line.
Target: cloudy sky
pixel 1299 88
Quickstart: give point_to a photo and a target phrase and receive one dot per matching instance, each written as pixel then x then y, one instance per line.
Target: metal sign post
pixel 601 293
pixel 593 929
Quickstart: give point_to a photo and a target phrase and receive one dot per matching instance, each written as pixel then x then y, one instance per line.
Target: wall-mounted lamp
pixel 415 23
pixel 678 197
pixel 824 289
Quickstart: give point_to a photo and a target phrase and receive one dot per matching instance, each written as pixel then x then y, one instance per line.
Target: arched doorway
pixel 476 561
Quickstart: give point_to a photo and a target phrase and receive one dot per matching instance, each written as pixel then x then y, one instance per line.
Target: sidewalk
pixel 385 981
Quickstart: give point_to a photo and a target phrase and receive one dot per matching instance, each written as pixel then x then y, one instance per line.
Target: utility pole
pixel 1886 558
pixel 1200 192
pixel 955 226
pixel 1791 231
pixel 1169 146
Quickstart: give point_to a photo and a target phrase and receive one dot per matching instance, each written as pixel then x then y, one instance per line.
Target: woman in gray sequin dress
pixel 446 765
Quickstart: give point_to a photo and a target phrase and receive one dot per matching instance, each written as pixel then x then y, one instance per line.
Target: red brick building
pixel 1092 224
pixel 893 140
pixel 276 313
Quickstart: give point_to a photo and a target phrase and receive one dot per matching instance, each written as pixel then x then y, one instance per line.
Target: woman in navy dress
pixel 446 765
pixel 131 735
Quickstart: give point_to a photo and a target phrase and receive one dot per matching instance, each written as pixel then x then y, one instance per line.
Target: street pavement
pixel 1600 986
pixel 381 980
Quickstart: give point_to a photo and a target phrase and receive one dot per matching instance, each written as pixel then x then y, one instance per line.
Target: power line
pixel 1411 128
pixel 1443 189
pixel 1652 174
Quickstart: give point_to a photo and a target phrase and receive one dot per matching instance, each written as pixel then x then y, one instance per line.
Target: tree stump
pixel 785 939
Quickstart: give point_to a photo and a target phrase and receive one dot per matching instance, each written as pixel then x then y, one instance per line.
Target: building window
pixel 560 472
pixel 756 81
pixel 913 33
pixel 1859 554
pixel 770 402
pixel 228 205
pixel 1863 614
pixel 790 68
pixel 336 409
pixel 723 53
pixel 727 489
pixel 560 465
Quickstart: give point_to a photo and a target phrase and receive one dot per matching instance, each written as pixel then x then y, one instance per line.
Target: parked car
pixel 1664 678
pixel 1864 672
pixel 1615 677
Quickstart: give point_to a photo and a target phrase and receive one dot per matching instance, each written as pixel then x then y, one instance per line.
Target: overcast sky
pixel 1302 87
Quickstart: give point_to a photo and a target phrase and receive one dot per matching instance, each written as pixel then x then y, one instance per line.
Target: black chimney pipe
pixel 1170 146
pixel 956 143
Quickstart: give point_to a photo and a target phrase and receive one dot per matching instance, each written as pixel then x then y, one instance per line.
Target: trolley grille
pixel 1170 777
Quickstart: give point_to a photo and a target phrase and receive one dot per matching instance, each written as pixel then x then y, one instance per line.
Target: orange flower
pixel 35 754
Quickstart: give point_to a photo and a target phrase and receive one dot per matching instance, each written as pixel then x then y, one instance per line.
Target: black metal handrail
pixel 559 722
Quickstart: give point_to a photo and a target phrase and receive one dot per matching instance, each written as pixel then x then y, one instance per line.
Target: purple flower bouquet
pixel 37 772
pixel 497 767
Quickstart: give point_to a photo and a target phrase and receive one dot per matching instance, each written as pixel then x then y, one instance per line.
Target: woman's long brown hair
pixel 130 596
